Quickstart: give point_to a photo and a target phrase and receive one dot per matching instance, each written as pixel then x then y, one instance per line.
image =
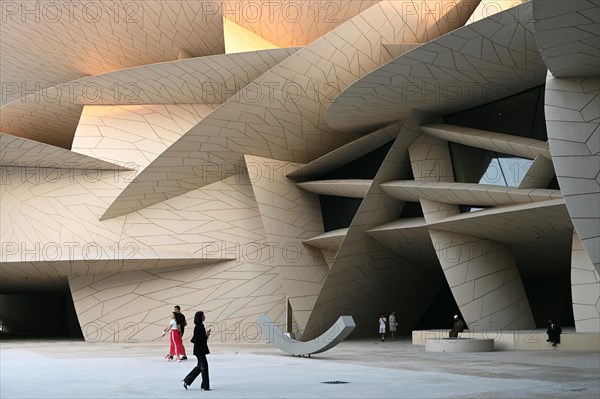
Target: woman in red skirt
pixel 175 337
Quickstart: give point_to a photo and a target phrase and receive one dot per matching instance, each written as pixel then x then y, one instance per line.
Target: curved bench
pixel 330 338
pixel 459 345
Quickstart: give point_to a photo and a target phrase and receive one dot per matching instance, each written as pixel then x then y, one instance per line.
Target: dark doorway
pixel 440 314
pixel 40 315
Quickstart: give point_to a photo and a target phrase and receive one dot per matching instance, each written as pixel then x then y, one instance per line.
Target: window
pixel 505 171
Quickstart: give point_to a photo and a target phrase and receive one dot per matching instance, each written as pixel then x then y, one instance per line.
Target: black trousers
pixel 202 367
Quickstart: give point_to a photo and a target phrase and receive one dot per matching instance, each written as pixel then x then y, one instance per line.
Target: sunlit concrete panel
pixel 47 43
pixel 285 118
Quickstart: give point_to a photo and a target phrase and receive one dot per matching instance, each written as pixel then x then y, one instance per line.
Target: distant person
pixel 200 340
pixel 393 325
pixel 176 348
pixel 182 323
pixel 553 332
pixel 458 327
pixel 382 322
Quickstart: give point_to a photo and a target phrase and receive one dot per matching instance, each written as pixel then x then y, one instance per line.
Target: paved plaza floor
pixel 370 368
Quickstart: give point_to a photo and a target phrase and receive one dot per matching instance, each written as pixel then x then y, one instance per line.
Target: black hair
pixel 198 317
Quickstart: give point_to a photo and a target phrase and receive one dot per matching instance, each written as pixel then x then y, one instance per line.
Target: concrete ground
pixel 372 369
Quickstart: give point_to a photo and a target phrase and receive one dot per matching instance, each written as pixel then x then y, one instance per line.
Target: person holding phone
pixel 200 341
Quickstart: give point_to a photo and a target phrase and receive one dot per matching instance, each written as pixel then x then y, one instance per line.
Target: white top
pixel 382 322
pixel 173 325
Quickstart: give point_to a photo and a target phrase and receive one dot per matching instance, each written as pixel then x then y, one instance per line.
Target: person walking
pixel 200 341
pixel 393 324
pixel 382 322
pixel 175 338
pixel 182 323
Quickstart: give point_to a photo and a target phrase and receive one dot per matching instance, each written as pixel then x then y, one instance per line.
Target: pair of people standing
pixel 393 325
pixel 176 329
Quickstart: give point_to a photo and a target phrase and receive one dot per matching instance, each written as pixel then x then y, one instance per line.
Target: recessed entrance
pixel 41 315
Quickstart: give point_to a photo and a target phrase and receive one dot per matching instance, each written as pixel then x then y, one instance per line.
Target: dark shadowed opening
pixel 440 314
pixel 39 315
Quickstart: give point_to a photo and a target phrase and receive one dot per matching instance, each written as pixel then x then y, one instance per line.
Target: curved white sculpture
pixel 330 338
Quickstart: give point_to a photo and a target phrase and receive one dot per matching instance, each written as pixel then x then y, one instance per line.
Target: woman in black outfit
pixel 200 341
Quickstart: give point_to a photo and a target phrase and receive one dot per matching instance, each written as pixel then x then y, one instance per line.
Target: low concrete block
pixel 459 345
pixel 516 340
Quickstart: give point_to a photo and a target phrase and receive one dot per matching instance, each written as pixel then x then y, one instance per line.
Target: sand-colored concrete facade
pixel 170 172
